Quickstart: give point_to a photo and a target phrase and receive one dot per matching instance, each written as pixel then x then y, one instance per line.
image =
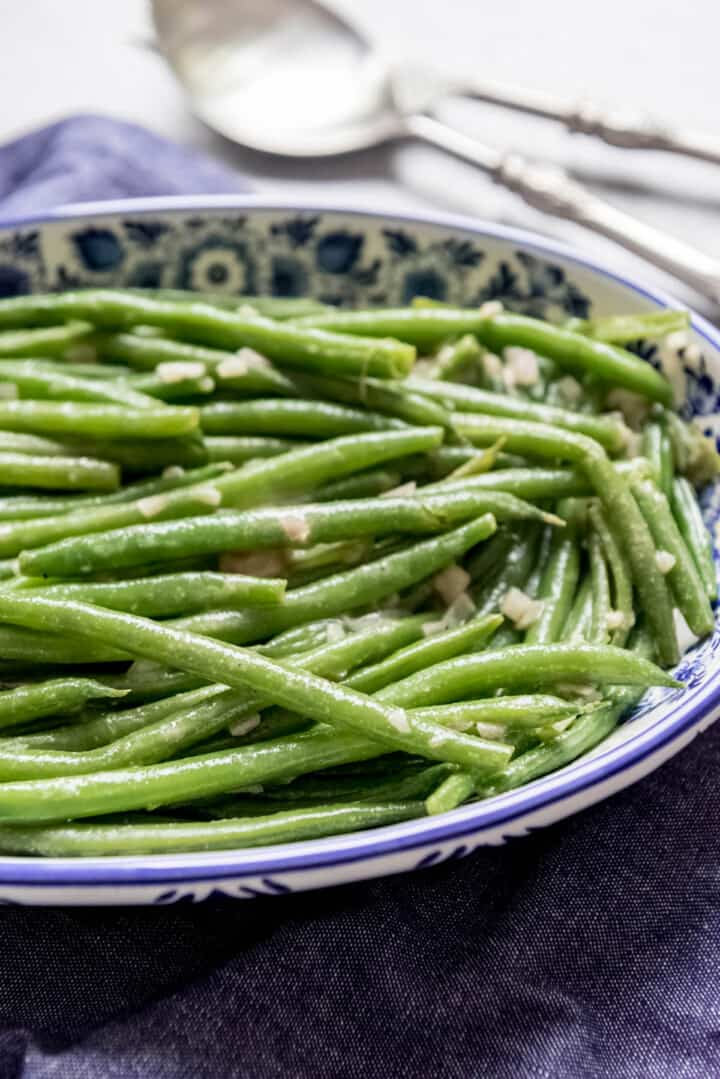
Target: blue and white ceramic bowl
pixel 355 258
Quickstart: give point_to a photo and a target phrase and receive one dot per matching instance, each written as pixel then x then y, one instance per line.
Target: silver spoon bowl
pixel 290 77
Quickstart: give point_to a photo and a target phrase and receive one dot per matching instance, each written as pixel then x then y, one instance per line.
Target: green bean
pixel 523 666
pixel 171 360
pixel 238 448
pixel 56 697
pixel 96 420
pixel 685 581
pixel 54 341
pixel 85 840
pixel 17 442
pixel 528 710
pixel 91 369
pixel 181 387
pixel 624 329
pixel 696 535
pixel 38 382
pixel 24 507
pixel 389 398
pixel 256 482
pixel 656 448
pixel 694 453
pixel 294 418
pixel 289 344
pixel 621 578
pixel 167 594
pixel 277 307
pixel 113 725
pixel 270 527
pixel 61 473
pixel 577 626
pixel 375 481
pixel 28 646
pixel 138 455
pixel 321 700
pixel 556 591
pixel 434 649
pixel 451 793
pixel 491 586
pixel 617 500
pixel 608 431
pixel 429 327
pixel 403 781
pixel 347 590
pixel 601 607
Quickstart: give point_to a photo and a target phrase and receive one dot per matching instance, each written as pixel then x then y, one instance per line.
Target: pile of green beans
pixel 263 580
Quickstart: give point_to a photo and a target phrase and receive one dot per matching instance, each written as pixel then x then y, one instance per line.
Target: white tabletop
pixel 658 55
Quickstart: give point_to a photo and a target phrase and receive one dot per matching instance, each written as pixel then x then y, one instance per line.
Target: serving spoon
pixel 293 78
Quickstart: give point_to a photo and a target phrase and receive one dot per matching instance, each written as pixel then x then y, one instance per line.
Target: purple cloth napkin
pixel 92 157
pixel 586 951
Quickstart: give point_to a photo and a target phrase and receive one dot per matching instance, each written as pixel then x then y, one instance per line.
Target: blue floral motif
pixel 298 230
pixel 289 276
pixel 99 249
pixel 425 282
pixel 13 281
pixel 337 252
pixel 217 265
pixel 399 242
pixel 145 233
pixel 146 274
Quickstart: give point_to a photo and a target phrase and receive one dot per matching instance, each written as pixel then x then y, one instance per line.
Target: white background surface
pixel 660 55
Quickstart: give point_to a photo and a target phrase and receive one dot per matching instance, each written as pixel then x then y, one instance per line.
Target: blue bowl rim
pixel 376 843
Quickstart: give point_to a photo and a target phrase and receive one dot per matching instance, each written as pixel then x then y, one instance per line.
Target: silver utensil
pixel 291 77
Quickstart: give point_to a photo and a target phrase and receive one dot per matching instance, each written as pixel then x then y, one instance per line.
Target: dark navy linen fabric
pixel 590 949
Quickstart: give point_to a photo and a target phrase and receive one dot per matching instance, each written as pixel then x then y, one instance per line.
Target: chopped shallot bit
pixel 245 725
pixel 296 527
pixel 521 608
pixel 490 308
pixel 173 472
pixel 408 488
pixel 334 631
pixel 614 619
pixel 208 495
pixel 492 731
pixel 493 365
pixel 521 367
pixel 451 582
pixel 179 371
pixel 665 561
pixel 253 563
pixel 152 505
pixel 569 389
pixel 398 718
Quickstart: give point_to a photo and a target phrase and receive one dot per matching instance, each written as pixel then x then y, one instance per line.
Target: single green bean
pixel 577 626
pixel 61 473
pixel 621 577
pixel 528 710
pixel 167 594
pixel 375 481
pixel 294 418
pixel 601 606
pixel 290 344
pixel 96 420
pixel 277 307
pixel 530 666
pixel 656 447
pixel 696 535
pixel 237 449
pixel 624 329
pixel 556 591
pixel 56 697
pixel 86 840
pixel 685 581
pixel 38 382
pixel 451 793
pixel 64 340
